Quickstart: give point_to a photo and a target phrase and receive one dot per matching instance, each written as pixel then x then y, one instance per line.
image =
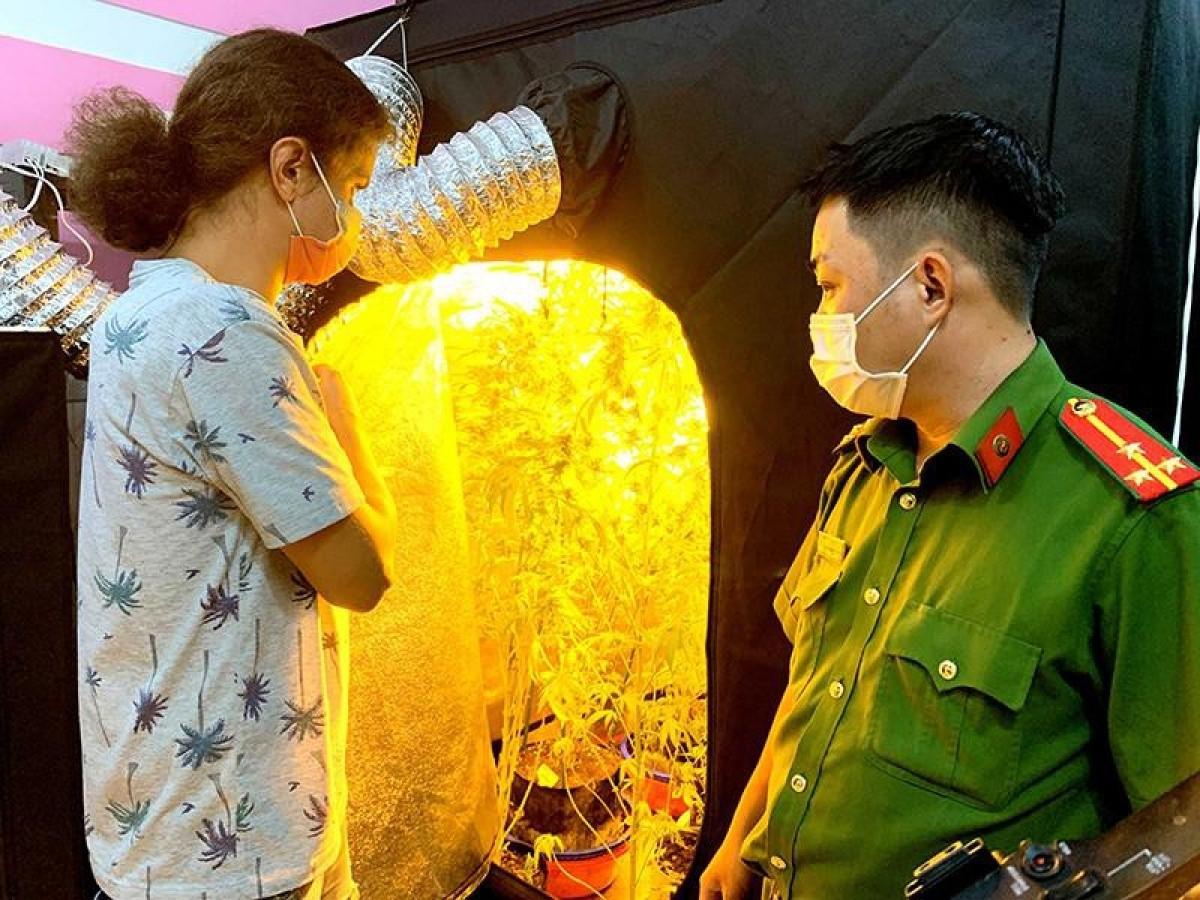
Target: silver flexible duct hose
pixel 394 88
pixel 472 192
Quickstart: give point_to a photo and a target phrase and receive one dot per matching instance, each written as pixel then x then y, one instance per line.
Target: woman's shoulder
pixel 174 315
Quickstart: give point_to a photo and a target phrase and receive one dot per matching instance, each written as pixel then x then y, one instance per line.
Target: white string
pixel 40 174
pixel 1189 298
pixel 399 23
pixel 37 191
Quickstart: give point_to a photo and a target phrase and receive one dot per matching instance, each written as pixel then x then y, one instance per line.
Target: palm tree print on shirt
pixel 218 606
pixel 140 470
pixel 210 352
pixel 89 440
pixel 245 567
pixel 123 339
pixel 220 601
pixel 205 441
pixel 232 312
pixel 303 721
pixel 329 644
pixel 129 818
pixel 282 388
pixel 203 507
pixel 93 680
pixel 304 592
pixel 256 687
pixel 149 706
pixel 220 838
pixel 318 814
pixel 199 745
pixel 124 585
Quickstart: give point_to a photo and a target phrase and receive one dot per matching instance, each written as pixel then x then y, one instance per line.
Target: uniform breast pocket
pixel 948 703
pixel 802 609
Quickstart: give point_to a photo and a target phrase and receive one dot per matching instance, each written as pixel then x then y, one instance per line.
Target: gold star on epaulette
pixel 1138 477
pixel 1130 450
pixel 1173 464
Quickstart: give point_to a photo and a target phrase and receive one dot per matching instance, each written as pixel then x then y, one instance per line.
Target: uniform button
pixel 799 784
pixel 777 862
pixel 907 501
pixel 871 595
pixel 948 669
pixel 836 690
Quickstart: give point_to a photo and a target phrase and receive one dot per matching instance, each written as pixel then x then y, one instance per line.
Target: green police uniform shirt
pixel 1004 645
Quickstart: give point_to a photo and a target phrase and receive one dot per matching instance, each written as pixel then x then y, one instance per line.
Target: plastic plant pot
pixel 657 788
pixel 576 874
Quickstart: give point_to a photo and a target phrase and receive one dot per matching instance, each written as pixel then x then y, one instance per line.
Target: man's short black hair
pixel 958 176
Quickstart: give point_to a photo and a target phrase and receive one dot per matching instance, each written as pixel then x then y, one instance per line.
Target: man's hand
pixel 727 877
pixel 1193 894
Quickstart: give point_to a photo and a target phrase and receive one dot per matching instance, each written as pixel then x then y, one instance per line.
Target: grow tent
pixel 730 103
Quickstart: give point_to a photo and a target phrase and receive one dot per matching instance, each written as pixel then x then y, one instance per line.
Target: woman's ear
pixel 935 275
pixel 286 170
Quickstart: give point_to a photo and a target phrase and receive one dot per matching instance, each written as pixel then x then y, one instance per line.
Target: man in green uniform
pixel 996 616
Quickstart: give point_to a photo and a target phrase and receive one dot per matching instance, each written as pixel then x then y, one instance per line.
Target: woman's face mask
pixel 835 362
pixel 313 261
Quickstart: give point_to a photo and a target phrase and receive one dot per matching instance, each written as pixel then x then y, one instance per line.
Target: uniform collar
pixel 990 439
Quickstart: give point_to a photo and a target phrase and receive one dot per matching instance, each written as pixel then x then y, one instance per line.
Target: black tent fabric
pixel 730 104
pixel 42 852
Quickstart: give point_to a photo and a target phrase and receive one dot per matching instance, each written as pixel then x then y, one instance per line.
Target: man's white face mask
pixel 835 363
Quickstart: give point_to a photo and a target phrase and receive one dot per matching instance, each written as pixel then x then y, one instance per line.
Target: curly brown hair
pixel 137 174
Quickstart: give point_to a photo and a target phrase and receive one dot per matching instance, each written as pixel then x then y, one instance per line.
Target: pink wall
pixel 49 80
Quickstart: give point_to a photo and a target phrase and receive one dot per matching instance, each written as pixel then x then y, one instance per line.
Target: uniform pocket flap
pixel 813 586
pixel 960 653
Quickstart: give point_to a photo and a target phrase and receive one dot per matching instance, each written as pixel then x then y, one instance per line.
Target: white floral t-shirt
pixel 211 676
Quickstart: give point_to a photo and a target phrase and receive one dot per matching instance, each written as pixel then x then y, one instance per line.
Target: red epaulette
pixel 1142 463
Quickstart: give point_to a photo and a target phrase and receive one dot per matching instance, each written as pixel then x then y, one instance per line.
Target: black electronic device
pixel 1152 855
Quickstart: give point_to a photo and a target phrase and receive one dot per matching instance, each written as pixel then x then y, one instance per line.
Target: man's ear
pixel 935 275
pixel 288 174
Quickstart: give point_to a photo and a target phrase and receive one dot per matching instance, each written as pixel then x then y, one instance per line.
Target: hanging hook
pixel 406 7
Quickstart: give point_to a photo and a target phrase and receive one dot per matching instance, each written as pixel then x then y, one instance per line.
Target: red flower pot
pixel 659 790
pixel 574 874
pixel 662 794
